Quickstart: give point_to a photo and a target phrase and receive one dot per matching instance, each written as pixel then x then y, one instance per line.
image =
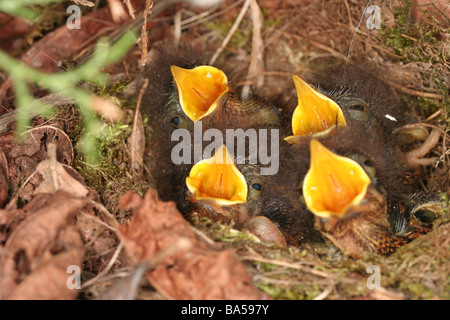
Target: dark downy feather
pixel 165 174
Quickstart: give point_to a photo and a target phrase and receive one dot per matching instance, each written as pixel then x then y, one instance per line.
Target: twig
pixel 144 36
pixel 289 265
pixel 177 26
pixel 206 16
pixel 84 3
pixel 202 235
pixel 131 10
pixel 114 224
pixel 356 31
pixel 231 32
pixel 434 115
pixel 179 245
pixel 255 70
pixel 320 45
pixel 412 92
pixel 327 291
pixel 350 22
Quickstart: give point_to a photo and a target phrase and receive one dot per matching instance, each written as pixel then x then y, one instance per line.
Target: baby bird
pixel 182 93
pixel 349 210
pixel 163 118
pixel 204 93
pixel 356 98
pixel 358 114
pixel 226 192
pixel 315 115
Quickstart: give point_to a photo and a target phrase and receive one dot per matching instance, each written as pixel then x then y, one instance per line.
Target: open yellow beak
pixel 316 114
pixel 218 179
pixel 201 90
pixel 333 183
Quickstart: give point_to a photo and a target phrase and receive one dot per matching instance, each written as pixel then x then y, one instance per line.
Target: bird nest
pixel 259 45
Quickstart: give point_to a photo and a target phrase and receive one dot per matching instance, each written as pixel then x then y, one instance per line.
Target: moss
pixel 416 291
pixel 422 42
pixel 410 40
pixel 241 37
pixel 106 170
pixel 297 292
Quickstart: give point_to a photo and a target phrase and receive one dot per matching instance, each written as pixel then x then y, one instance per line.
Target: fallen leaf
pixel 46 241
pixel 201 272
pixel 13 27
pixel 137 139
pixel 56 178
pixel 49 281
pixel 23 158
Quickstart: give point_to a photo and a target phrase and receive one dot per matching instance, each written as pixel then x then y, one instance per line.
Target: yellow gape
pixel 201 90
pixel 218 179
pixel 333 183
pixel 315 114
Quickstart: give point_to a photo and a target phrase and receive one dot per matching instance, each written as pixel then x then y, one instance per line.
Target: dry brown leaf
pixel 23 158
pixel 9 219
pixel 49 281
pixel 45 240
pixel 55 177
pixel 13 27
pixel 201 272
pixel 137 139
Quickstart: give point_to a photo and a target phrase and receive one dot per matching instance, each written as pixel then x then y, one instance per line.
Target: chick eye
pixel 175 121
pixel 358 107
pixel 254 193
pixel 257 186
pixel 368 163
pixel 365 162
pixel 358 110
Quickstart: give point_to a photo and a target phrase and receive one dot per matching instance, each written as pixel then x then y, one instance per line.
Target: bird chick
pixel 355 98
pixel 221 190
pixel 348 210
pixel 204 93
pixel 315 115
pixel 417 215
pixel 181 93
